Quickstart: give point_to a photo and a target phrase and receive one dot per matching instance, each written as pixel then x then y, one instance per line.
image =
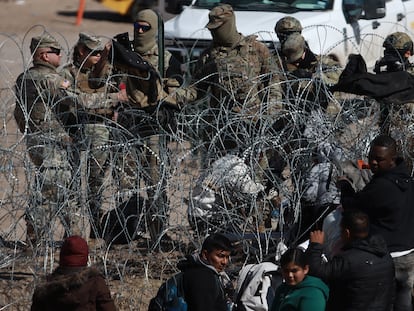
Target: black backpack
pixel 170 295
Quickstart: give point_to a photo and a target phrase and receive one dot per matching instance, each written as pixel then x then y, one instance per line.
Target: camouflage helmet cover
pixel 288 24
pixel 219 15
pixel 398 40
pixel 44 41
pixel 90 41
pixel 294 47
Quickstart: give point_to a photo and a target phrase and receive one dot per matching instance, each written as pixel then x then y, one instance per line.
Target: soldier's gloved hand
pixel 302 73
pixel 171 82
pixel 165 116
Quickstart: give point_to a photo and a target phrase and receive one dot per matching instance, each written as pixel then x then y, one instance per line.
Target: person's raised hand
pixel 317 236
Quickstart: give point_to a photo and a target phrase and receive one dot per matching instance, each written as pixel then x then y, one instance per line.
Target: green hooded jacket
pixel 310 294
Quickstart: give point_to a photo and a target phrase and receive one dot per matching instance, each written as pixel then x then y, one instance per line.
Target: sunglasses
pixel 144 28
pixel 53 51
pixel 94 52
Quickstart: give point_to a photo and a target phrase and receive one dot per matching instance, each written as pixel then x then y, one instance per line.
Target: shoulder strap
pixel 178 279
pixel 328 181
pixel 243 287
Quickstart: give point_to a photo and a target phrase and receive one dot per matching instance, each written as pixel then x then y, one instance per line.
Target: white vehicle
pixel 323 22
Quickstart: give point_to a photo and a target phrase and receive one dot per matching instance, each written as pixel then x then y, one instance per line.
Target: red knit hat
pixel 74 252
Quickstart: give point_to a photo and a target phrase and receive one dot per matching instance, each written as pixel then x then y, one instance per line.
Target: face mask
pixel 226 35
pixel 145 40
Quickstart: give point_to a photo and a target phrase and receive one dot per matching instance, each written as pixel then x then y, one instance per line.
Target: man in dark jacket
pixel 361 277
pixel 388 199
pixel 73 285
pixel 205 283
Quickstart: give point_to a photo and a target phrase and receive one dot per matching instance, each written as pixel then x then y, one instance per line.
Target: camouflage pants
pixel 146 161
pixel 95 157
pixel 52 195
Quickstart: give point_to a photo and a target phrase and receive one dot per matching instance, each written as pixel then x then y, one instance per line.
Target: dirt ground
pixel 130 272
pixel 133 273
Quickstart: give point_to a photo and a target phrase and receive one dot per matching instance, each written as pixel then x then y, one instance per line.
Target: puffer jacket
pixel 73 289
pixel 361 277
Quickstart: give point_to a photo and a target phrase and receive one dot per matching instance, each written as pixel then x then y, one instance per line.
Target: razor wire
pixel 204 190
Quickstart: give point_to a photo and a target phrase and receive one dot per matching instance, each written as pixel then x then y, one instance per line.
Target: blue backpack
pixel 170 295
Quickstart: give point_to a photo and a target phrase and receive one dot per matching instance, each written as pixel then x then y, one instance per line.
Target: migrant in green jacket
pixel 310 294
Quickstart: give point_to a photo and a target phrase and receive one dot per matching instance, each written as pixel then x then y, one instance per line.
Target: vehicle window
pixel 285 6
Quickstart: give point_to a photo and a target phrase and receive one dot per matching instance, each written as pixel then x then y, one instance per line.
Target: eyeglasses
pixel 54 51
pixel 95 52
pixel 144 28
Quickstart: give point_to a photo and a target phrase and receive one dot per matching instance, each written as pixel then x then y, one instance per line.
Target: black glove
pixel 131 60
pixel 302 73
pixel 165 117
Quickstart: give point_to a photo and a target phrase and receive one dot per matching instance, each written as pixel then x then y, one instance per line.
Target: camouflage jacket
pixel 96 100
pixel 311 84
pixel 42 102
pixel 243 76
pixel 169 89
pixel 325 68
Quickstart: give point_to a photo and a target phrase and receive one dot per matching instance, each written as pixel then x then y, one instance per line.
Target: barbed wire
pixel 201 189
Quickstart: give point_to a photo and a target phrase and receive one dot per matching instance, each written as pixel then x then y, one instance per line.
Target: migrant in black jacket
pixel 360 278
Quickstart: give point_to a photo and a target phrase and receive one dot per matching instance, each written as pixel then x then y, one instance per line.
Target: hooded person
pixel 73 285
pixel 145 31
pixel 146 44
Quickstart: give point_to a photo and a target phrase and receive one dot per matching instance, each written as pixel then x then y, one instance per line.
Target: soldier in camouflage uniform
pixel 302 67
pixel 241 81
pixel 308 78
pixel 242 78
pixel 327 67
pixel 96 102
pixel 398 48
pixel 42 104
pixel 143 119
pixel 285 27
pixel 397 120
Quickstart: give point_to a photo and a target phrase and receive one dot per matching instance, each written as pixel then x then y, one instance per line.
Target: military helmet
pixel 288 24
pixel 294 47
pixel 399 41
